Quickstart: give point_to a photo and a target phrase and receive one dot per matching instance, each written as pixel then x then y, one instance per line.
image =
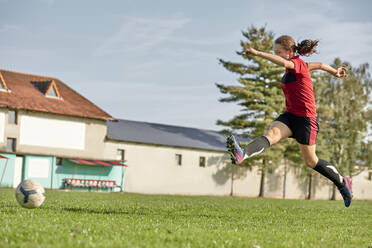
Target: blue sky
pixel 156 61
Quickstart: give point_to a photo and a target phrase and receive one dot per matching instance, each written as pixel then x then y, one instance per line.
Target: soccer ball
pixel 30 194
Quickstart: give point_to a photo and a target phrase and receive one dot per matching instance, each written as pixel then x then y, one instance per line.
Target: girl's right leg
pixel 276 132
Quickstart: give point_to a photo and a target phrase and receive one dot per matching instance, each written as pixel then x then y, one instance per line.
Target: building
pixel 48 131
pixel 171 159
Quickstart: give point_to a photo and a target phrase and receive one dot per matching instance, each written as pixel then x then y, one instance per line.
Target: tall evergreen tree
pixel 258 92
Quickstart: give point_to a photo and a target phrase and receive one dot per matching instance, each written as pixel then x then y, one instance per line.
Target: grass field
pixel 83 219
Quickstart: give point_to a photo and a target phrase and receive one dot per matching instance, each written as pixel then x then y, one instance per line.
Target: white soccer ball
pixel 30 194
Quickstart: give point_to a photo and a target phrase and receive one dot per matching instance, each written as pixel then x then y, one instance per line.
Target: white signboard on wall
pixel 2 126
pixel 49 132
pixel 38 167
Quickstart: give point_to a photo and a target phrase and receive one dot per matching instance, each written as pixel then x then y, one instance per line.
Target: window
pixel 12 117
pixel 52 92
pixel 202 161
pixel 48 88
pixel 3 86
pixel 11 145
pixel 120 154
pixel 178 159
pixel 59 161
pixel 370 176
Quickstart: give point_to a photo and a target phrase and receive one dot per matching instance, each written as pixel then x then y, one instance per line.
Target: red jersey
pixel 298 90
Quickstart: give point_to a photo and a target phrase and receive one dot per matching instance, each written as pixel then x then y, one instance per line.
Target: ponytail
pixel 306 47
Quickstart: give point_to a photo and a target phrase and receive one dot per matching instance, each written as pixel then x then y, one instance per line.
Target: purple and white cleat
pixel 346 191
pixel 236 152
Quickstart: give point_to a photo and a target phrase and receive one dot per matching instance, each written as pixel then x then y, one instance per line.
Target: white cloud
pixel 349 40
pixel 139 35
pixel 9 27
pixel 47 2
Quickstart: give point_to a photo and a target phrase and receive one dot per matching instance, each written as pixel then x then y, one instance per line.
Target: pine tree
pixel 259 94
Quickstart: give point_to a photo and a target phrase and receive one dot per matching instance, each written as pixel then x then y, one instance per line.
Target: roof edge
pixel 29 74
pixel 52 113
pixel 54 155
pixel 170 125
pixel 107 138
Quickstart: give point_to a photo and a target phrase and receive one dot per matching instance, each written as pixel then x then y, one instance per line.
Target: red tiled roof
pixel 25 95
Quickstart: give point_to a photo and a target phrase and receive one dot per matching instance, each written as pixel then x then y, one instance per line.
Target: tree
pixel 349 114
pixel 259 94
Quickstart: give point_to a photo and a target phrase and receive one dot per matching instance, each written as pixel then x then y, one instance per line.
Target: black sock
pixel 256 147
pixel 330 172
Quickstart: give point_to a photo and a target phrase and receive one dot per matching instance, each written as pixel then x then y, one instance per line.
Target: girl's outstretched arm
pixel 272 57
pixel 339 72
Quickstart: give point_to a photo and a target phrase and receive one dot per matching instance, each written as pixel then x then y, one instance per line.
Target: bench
pixel 90 183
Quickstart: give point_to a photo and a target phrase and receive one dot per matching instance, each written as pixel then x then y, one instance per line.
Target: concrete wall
pixel 62 136
pixel 153 169
pixel 362 186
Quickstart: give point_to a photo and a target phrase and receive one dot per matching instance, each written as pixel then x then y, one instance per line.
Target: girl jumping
pixel 300 120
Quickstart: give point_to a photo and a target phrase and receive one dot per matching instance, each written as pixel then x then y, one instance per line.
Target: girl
pixel 299 121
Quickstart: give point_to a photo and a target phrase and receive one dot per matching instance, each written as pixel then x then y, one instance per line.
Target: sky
pixel 157 61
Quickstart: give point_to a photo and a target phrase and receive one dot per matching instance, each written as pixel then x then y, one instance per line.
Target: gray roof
pixel 160 134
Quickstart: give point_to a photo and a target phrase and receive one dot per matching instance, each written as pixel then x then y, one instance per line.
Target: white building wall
pixel 153 170
pixel 48 132
pixel 362 186
pixel 246 181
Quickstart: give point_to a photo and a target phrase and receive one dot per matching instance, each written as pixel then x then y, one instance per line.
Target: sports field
pixel 83 219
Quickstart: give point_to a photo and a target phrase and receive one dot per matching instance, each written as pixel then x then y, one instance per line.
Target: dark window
pixel 370 175
pixel 120 154
pixel 11 145
pixel 202 161
pixel 59 161
pixel 178 159
pixel 12 117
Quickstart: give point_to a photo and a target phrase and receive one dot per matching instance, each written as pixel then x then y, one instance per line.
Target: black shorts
pixel 304 129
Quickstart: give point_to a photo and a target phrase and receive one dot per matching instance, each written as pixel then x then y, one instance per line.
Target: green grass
pixel 83 219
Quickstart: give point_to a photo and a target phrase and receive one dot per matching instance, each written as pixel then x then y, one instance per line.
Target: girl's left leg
pixel 321 166
pixel 327 170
